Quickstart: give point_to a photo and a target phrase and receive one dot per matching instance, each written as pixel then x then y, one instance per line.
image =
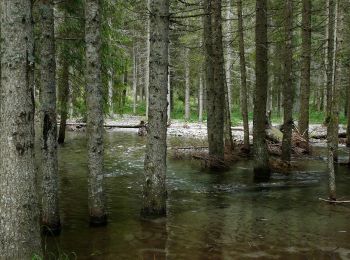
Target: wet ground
pixel 210 215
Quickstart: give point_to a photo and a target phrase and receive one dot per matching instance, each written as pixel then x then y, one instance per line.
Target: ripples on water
pixel 210 215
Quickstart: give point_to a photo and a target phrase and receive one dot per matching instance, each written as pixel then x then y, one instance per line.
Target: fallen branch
pixel 189 148
pixel 105 125
pixel 335 201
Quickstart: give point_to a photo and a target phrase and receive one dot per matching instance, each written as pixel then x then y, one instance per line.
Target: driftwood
pixel 324 136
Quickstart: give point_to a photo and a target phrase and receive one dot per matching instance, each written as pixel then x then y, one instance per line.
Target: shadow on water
pixel 210 215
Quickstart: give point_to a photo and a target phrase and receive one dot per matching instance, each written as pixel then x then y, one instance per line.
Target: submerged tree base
pixel 51 229
pixel 262 174
pixel 98 221
pixel 153 213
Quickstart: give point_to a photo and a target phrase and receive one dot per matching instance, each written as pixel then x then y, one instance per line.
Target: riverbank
pixel 196 130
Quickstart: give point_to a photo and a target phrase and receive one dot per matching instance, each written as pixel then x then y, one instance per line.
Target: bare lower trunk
pixel 244 91
pixel 340 6
pixel 200 114
pixel 331 173
pixel 261 167
pixel 288 91
pixel 348 114
pixel 187 85
pixel 169 89
pixel 134 79
pixel 63 96
pixel 305 70
pixel 154 186
pixel 50 208
pixel 110 93
pixel 94 101
pixel 330 55
pixel 228 60
pixel 214 80
pixel 19 211
pixel 148 44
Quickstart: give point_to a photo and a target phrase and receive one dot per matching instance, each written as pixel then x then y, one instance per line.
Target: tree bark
pixel 228 60
pixel 261 167
pixel 305 70
pixel 154 187
pixel 200 103
pixel 50 202
pixel 63 96
pixel 110 92
pixel 169 88
pixel 94 101
pixel 348 114
pixel 19 211
pixel 134 78
pixel 214 80
pixel 148 45
pixel 333 128
pixel 244 94
pixel 333 116
pixel 330 55
pixel 288 91
pixel 187 85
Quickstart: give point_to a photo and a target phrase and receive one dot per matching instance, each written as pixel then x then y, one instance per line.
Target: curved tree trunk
pixel 19 209
pixel 50 207
pixel 261 167
pixel 154 186
pixel 94 101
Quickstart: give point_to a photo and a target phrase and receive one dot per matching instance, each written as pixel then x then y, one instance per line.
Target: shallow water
pixel 210 215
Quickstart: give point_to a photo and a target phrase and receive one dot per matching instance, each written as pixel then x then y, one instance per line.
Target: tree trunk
pixel 330 55
pixel 334 129
pixel 134 78
pixel 148 45
pixel 125 86
pixel 201 90
pixel 63 96
pixel 348 114
pixel 244 95
pixel 169 88
pixel 94 101
pixel 228 60
pixel 50 207
pixel 154 187
pixel 187 85
pixel 110 92
pixel 214 80
pixel 19 209
pixel 333 116
pixel 261 167
pixel 288 92
pixel 305 70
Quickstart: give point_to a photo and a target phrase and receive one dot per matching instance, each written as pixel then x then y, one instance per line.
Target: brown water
pixel 210 215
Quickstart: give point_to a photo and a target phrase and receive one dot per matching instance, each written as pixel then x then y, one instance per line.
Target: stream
pixel 210 215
